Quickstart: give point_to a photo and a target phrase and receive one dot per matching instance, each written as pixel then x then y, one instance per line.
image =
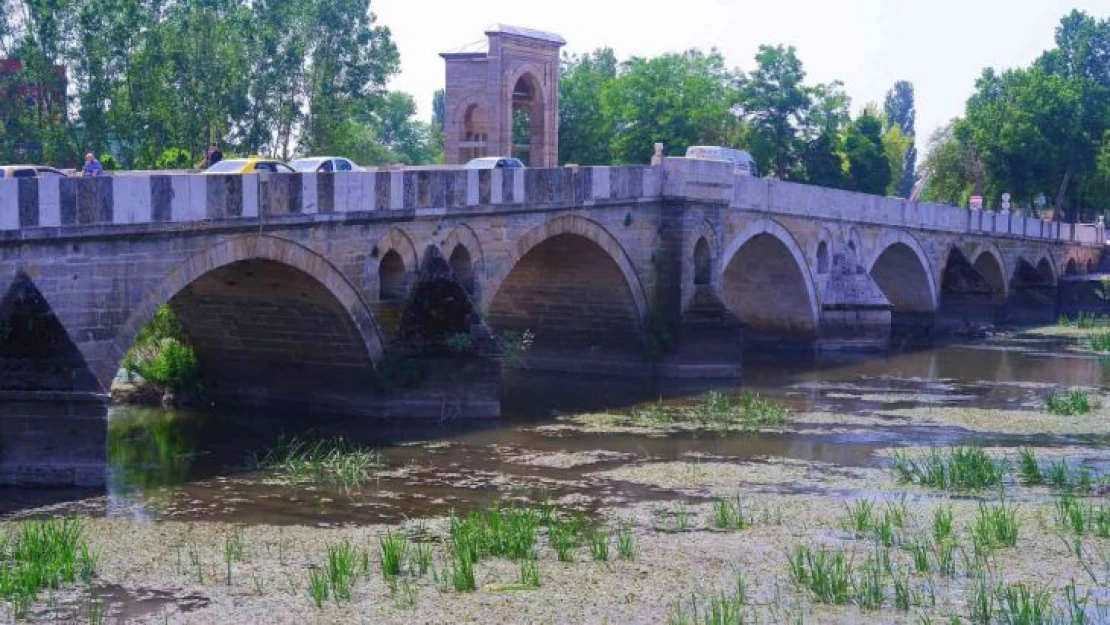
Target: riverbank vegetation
pixel 163 360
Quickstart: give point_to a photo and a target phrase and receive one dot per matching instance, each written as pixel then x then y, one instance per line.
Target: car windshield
pixel 227 167
pixel 305 164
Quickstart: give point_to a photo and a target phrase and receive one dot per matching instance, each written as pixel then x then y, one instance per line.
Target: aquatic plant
pixel 508 532
pixel 342 568
pixel 996 525
pixel 1069 403
pixel 420 559
pixel 233 549
pixel 1029 468
pixel 1080 519
pixel 827 574
pixel 529 573
pixel 859 516
pixel 37 555
pixel 563 538
pixel 392 549
pixel 716 410
pixel 869 583
pixel 1101 341
pixel 318 587
pixel 1019 604
pixel 326 461
pixel 961 468
pixel 462 572
pixel 626 542
pixel 724 607
pixel 729 514
pixel 599 545
pixel 1060 476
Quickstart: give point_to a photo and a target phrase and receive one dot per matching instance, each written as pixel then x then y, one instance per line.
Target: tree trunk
pixel 1061 193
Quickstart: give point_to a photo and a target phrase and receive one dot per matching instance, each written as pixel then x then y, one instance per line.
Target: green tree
pixel 901 113
pixel 775 103
pixel 677 99
pixel 585 131
pixel 868 167
pixel 948 168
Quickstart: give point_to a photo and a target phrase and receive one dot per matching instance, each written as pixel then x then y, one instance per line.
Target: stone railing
pixel 33 204
pixel 139 199
pixel 713 181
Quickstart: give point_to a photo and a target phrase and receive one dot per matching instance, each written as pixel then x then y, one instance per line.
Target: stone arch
pixel 527 99
pixel 987 260
pixel 703 262
pixel 395 240
pixel 462 237
pixel 588 229
pixel 770 285
pixel 823 257
pixel 290 259
pixel 1046 267
pixel 570 282
pixel 1090 266
pixel 1072 268
pixel 905 276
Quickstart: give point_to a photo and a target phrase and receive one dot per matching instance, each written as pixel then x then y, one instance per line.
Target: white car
pixel 495 162
pixel 322 164
pixel 29 171
pixel 743 162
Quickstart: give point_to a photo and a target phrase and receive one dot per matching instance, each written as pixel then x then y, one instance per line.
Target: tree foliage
pixel 1038 131
pixel 149 77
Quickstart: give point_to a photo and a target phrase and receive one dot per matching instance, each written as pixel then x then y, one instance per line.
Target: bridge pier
pixel 53 438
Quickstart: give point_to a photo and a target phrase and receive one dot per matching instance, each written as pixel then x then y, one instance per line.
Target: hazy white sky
pixel 939 45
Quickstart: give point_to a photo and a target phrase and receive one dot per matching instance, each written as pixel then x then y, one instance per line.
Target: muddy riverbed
pixel 182 489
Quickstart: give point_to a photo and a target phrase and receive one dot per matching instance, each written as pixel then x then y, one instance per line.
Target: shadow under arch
pixel 766 282
pixel 273 323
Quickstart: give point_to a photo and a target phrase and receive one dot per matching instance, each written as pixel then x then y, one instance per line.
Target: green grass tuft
pixel 1070 403
pixel 961 468
pixel 326 461
pixel 39 555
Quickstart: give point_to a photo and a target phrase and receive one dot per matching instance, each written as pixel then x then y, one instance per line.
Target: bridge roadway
pixel 316 292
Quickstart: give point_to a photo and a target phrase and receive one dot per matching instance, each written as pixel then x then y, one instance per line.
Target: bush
pixel 1069 403
pixel 174 158
pixel 162 356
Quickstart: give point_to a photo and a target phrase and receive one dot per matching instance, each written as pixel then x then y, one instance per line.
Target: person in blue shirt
pixel 92 166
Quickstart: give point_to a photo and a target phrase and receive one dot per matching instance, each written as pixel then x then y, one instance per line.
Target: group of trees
pixel 1040 133
pixel 613 112
pixel 155 81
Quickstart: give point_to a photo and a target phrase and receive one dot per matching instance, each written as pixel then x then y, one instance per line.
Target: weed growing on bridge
pixel 1070 403
pixel 327 461
pixel 961 468
pixel 38 555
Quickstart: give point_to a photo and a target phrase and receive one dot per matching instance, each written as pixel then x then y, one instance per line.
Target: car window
pixel 265 167
pixel 23 173
pixel 282 168
pixel 326 167
pixel 46 171
pixel 343 164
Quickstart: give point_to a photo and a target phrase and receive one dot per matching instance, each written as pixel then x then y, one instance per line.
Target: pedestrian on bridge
pixel 92 167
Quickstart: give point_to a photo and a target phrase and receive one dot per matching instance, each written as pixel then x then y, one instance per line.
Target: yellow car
pixel 249 165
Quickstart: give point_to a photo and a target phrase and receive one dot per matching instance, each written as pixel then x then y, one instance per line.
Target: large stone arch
pixel 988 261
pixel 777 293
pixel 910 282
pixel 297 272
pixel 571 279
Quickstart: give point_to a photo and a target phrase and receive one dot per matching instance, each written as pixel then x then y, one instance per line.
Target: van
pixel 743 162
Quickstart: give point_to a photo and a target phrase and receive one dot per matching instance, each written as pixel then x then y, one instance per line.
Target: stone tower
pixel 504 101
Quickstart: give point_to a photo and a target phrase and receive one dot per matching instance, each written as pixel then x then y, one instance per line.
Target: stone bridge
pixel 317 292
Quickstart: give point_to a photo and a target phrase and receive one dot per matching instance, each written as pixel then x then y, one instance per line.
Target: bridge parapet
pixel 28 204
pixel 714 181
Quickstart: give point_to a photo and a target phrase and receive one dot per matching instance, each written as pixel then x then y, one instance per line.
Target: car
pixel 743 162
pixel 495 162
pixel 29 171
pixel 249 165
pixel 323 164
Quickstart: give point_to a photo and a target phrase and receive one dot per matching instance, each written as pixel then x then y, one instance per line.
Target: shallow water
pixel 189 465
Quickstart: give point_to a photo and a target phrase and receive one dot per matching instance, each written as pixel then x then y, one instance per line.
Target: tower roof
pixel 526 33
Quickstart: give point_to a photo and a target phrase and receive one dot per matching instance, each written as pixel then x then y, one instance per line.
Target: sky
pixel 941 46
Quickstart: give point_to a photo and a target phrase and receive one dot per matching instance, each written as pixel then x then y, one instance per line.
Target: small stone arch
pixel 588 229
pixel 243 248
pixel 1000 280
pixel 1072 268
pixel 463 237
pixel 703 263
pixel 527 97
pixel 780 233
pixel 399 243
pixel 1090 266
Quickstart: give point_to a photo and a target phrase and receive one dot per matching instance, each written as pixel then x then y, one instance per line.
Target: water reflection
pixel 189 465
